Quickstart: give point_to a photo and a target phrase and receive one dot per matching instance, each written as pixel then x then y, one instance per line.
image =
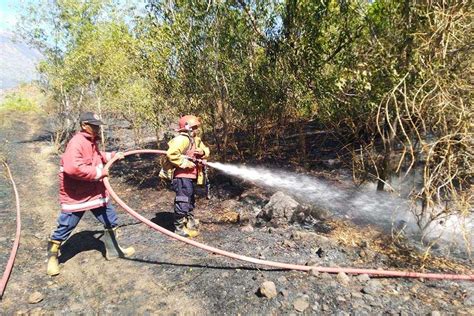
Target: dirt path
pixel 168 277
pixel 87 283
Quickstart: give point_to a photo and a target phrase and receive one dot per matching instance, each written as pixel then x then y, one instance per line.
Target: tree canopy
pixel 391 79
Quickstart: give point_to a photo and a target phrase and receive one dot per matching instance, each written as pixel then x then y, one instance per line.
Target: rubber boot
pixel 53 252
pixel 192 223
pixel 112 247
pixel 182 230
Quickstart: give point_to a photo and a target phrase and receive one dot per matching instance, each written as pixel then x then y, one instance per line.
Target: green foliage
pixel 391 79
pixel 18 103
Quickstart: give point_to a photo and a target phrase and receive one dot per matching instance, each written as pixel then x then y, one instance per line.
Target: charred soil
pixel 166 276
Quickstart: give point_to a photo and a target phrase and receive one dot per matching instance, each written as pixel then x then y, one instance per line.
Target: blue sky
pixel 9 13
pixel 10 10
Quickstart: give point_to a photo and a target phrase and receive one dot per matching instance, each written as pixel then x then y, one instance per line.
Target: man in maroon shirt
pixel 81 188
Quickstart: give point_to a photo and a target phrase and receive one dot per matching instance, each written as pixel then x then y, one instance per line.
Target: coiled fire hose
pixel 373 272
pixel 16 243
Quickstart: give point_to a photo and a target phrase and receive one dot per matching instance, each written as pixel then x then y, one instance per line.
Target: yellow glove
pixel 186 164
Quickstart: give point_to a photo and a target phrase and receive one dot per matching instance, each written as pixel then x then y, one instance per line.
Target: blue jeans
pixel 67 221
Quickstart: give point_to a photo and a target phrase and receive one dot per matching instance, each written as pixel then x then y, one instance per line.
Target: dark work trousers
pixel 184 200
pixel 67 221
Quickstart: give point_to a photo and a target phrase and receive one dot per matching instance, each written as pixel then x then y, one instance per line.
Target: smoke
pixel 362 205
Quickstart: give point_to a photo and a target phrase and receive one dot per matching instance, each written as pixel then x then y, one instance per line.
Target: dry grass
pixel 400 254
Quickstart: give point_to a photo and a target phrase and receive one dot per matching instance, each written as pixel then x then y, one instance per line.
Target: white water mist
pixel 362 205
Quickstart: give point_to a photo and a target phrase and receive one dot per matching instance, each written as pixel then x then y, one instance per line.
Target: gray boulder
pixel 280 208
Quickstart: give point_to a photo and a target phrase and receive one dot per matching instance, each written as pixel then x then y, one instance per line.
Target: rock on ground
pixel 35 297
pixel 301 303
pixel 268 289
pixel 280 208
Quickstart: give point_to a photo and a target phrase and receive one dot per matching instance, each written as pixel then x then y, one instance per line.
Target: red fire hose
pixel 11 260
pixel 281 265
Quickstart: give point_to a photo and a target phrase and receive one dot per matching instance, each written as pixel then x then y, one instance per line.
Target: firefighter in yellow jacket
pixel 182 152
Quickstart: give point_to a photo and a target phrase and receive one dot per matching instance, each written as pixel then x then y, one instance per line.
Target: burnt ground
pixel 168 277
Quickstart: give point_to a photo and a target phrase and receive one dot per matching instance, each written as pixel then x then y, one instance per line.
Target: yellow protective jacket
pixel 180 147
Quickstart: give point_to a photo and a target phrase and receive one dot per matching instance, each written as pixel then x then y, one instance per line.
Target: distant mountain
pixel 17 61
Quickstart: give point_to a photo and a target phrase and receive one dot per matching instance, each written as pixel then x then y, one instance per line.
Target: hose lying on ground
pixel 16 243
pixel 386 273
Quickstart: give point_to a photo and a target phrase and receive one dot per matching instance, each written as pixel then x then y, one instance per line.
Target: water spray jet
pixel 362 205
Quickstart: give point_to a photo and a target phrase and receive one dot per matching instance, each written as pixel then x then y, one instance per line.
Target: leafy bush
pixel 18 103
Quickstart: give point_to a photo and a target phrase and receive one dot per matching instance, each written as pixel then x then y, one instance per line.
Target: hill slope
pixel 17 61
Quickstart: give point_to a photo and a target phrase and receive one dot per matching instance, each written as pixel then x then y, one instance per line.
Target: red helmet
pixel 187 122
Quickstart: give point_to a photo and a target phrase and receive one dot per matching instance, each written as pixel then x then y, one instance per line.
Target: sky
pixel 8 14
pixel 10 11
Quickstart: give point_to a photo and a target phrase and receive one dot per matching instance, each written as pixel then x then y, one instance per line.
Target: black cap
pixel 90 118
